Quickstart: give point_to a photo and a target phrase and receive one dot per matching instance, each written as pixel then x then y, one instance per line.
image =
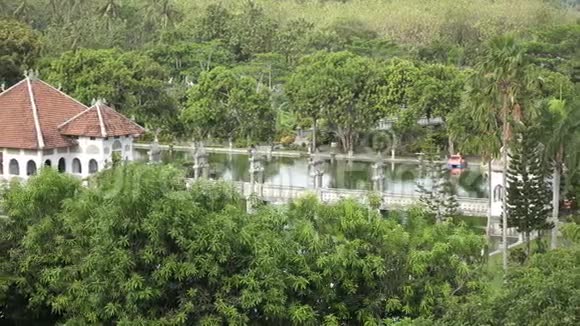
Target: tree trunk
pixel 555 205
pixel 528 245
pixel 451 146
pixel 313 149
pixel 489 202
pixel 504 157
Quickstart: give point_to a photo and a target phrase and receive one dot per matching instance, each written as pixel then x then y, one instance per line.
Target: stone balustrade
pixel 282 194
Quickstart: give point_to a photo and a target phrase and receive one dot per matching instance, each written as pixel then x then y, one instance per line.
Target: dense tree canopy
pixel 229 106
pixel 19 50
pixel 129 81
pixel 137 246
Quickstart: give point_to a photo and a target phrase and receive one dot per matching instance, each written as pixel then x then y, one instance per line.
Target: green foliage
pixel 543 291
pixel 130 82
pixel 528 193
pixel 340 86
pixel 229 106
pixel 438 194
pixel 138 247
pixel 186 61
pixel 19 50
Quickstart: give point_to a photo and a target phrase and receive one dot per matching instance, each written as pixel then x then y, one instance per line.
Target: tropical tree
pixel 396 91
pixel 499 83
pixel 475 130
pixel 351 107
pixel 562 125
pixel 438 195
pixel 552 275
pixel 137 246
pixel 528 202
pixel 437 93
pixel 130 82
pixel 229 107
pixel 185 61
pixel 19 50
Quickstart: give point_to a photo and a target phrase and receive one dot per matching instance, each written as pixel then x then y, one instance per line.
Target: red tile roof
pixel 30 113
pixel 100 121
pixel 35 115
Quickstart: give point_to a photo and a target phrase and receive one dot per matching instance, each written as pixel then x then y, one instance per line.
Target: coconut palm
pixel 499 83
pixel 562 147
pixel 162 12
pixel 474 128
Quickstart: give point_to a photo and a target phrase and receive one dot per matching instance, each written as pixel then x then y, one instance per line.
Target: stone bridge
pixel 283 194
pixel 280 194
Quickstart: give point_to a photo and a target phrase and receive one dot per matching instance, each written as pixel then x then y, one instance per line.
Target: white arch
pixel 497 193
pixel 31 168
pixel 62 165
pixel 117 146
pixel 93 166
pixel 13 167
pixel 76 166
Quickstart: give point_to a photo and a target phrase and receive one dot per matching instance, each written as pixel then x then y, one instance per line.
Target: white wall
pixel 496 201
pixel 88 149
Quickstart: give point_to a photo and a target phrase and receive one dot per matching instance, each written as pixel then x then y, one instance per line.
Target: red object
pixel 456 162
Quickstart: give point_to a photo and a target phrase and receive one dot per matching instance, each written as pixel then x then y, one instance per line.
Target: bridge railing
pixel 283 193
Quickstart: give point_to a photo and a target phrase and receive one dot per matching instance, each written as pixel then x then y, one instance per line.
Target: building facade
pixel 40 126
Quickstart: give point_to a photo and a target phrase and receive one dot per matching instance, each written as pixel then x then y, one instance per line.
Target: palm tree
pixel 162 12
pixel 474 128
pixel 501 79
pixel 110 10
pixel 562 147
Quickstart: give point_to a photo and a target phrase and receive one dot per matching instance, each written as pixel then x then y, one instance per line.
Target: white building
pixel 41 126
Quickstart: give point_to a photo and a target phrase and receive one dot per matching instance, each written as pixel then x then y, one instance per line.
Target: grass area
pixel 495 263
pixel 415 22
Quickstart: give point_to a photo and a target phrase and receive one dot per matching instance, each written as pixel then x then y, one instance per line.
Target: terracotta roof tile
pixel 35 115
pixel 100 121
pixel 17 115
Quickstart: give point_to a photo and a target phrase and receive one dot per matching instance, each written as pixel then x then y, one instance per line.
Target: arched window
pixel 62 165
pixel 13 167
pixel 76 166
pixel 93 166
pixel 498 193
pixel 31 168
pixel 47 163
pixel 117 146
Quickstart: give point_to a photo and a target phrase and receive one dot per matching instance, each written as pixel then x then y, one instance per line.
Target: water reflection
pixel 399 178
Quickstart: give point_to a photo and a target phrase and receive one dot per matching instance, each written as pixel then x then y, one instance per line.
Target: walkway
pixel 361 157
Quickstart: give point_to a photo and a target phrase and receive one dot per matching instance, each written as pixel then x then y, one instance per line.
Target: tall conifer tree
pixel 528 193
pixel 439 196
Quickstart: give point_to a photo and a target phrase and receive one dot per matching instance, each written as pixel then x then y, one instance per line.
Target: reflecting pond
pixel 400 178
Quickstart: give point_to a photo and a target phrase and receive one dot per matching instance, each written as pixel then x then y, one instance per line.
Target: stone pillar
pixel 378 175
pixel 333 147
pixel 256 176
pixel 154 152
pixel 316 167
pixel 200 161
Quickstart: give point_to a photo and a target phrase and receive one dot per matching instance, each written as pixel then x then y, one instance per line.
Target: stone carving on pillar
pixel 378 175
pixel 154 152
pixel 256 168
pixel 200 161
pixel 333 147
pixel 316 167
pixel 256 177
